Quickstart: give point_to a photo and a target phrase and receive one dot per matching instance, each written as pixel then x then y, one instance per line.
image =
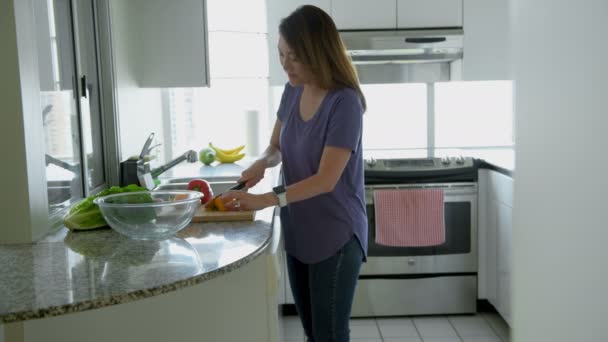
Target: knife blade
pixel 238 186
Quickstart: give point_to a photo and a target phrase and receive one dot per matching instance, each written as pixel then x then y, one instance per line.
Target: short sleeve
pixel 282 111
pixel 345 121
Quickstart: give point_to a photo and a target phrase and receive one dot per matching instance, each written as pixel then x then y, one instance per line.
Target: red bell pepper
pixel 201 185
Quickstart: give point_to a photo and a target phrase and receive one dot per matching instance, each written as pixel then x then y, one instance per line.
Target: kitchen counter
pixel 78 271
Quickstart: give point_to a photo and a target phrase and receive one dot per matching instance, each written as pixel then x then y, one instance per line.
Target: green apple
pixel 206 156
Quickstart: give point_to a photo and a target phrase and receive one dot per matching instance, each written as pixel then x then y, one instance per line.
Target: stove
pixel 432 280
pixel 421 170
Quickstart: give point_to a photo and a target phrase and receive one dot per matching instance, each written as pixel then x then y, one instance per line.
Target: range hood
pixel 405 56
pixel 403 46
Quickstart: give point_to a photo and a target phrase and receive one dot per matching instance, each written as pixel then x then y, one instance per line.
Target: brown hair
pixel 313 36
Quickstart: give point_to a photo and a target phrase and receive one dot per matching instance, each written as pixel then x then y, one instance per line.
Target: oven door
pixel 457 255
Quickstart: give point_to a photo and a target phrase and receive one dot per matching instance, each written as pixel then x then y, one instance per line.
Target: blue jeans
pixel 323 292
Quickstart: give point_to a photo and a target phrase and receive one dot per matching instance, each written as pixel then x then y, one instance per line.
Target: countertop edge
pixel 135 295
pixel 487 165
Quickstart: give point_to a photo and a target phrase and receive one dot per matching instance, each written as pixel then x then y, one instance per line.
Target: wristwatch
pixel 281 194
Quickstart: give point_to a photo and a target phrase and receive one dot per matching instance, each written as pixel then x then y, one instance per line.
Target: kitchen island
pixel 211 282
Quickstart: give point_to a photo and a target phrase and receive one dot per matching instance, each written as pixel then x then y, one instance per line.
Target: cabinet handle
pixel 83 85
pixel 425 40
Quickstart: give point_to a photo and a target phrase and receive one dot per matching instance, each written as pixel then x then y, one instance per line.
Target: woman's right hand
pixel 253 174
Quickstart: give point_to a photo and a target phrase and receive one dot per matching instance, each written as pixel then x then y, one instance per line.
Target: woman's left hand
pixel 241 200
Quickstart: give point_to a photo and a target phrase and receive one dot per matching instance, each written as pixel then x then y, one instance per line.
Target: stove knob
pixel 445 161
pixel 460 160
pixel 371 163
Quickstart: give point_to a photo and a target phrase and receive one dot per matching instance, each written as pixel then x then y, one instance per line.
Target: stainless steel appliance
pixel 441 279
pixel 402 56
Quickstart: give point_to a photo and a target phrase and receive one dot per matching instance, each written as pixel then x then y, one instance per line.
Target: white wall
pixel 23 207
pixel 560 214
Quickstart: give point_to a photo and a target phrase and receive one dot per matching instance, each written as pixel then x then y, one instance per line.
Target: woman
pixel 317 136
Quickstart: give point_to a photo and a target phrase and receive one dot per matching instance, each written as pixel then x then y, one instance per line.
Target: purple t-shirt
pixel 316 228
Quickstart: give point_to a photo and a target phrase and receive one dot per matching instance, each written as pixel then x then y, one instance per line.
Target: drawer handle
pixel 425 40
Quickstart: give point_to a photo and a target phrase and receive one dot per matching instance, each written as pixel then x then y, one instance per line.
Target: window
pixel 227 114
pixel 467 118
pixel 72 122
pixel 473 114
pixel 396 120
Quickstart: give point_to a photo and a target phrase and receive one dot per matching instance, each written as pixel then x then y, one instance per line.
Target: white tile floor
pixel 483 327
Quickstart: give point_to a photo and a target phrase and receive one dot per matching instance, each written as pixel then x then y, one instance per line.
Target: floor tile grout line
pixel 379 330
pixel 453 327
pixel 417 331
pixel 492 327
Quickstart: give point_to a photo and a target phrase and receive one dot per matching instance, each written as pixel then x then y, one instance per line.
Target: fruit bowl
pixel 154 215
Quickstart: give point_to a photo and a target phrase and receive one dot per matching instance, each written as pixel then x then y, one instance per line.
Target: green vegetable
pixel 86 215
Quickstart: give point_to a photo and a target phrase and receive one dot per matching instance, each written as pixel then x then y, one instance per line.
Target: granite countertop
pixel 76 271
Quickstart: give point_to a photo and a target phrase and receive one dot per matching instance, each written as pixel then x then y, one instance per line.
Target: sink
pixel 216 187
pixel 210 179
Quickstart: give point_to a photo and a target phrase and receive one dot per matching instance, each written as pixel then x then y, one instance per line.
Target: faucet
pixel 191 156
pixel 138 167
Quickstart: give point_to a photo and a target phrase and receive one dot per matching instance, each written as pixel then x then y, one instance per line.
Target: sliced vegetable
pixel 203 186
pixel 219 205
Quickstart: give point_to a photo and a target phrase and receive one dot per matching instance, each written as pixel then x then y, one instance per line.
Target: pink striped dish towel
pixel 409 217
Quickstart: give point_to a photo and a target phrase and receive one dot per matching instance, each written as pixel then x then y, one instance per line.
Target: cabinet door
pixel 492 252
pixel 161 43
pixel 364 14
pixel 505 232
pixel 501 188
pixel 288 294
pixel 486 40
pixel 276 11
pixel 429 13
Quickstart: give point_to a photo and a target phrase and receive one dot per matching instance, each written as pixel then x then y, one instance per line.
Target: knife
pixel 239 186
pixel 211 204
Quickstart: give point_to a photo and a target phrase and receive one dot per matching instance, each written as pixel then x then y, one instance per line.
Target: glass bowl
pixel 149 215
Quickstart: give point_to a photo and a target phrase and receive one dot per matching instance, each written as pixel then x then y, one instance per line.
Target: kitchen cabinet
pixel 161 44
pixel 486 40
pixel 209 311
pixel 288 295
pixel 496 236
pixel 429 13
pixel 503 263
pixel 391 14
pixel 277 10
pixel 364 14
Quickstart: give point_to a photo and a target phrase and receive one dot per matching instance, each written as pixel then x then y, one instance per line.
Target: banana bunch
pixel 228 156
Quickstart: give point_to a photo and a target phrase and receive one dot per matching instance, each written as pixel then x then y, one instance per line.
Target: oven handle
pixel 450 189
pixel 445 186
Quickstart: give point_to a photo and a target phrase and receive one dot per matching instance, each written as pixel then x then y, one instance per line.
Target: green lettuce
pixel 86 214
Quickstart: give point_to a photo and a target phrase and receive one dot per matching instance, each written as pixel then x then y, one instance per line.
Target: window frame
pixel 109 123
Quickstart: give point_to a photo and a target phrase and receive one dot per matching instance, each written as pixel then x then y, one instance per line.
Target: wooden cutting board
pixel 202 215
